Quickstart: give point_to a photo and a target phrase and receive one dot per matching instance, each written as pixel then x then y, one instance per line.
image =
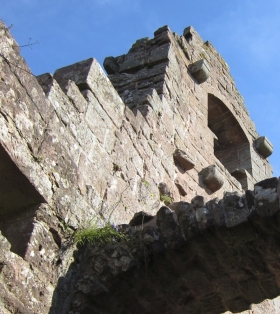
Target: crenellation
pixel 82 148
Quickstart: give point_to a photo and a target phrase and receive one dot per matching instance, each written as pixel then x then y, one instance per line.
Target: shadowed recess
pixel 231 145
pixel 16 190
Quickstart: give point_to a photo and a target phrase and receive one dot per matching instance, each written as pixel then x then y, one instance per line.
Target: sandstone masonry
pixel 78 147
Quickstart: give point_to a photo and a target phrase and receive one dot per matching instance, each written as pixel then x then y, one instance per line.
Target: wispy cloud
pixel 251 28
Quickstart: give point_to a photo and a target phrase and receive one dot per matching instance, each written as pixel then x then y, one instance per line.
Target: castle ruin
pixel 165 133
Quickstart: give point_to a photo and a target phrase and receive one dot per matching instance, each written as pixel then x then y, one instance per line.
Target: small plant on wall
pixel 166 199
pixel 97 236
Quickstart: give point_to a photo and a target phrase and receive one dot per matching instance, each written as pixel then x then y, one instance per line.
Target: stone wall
pixel 78 148
pixel 214 257
pixel 188 109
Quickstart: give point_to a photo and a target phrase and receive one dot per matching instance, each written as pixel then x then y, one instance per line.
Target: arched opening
pixel 231 145
pixel 18 202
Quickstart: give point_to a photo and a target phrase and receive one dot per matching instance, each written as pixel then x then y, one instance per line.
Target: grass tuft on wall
pixel 96 236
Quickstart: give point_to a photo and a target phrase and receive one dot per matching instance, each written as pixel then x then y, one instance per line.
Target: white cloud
pixel 252 28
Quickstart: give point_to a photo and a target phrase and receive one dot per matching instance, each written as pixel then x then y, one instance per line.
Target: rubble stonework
pixel 215 260
pixel 165 127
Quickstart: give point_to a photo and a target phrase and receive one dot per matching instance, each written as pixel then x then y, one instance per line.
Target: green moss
pixel 38 158
pixel 202 54
pixel 146 183
pixel 97 236
pixel 166 199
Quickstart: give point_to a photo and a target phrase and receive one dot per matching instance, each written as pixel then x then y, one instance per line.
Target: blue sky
pixel 246 33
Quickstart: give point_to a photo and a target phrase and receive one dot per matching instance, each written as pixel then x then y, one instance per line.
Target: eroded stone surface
pixel 212 178
pixel 86 149
pixel 184 159
pixel 211 270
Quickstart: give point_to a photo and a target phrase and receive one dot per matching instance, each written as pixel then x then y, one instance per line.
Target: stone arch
pixel 231 145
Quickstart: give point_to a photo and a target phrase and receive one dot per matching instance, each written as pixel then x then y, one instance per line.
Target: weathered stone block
pixel 184 159
pixel 17 275
pixel 169 229
pixel 140 218
pixel 187 219
pixel 234 209
pixel 152 239
pixel 182 186
pixel 202 214
pixel 88 74
pixel 159 54
pixel 190 34
pixel 212 178
pixel 215 208
pixel 133 62
pixel 198 201
pixel 73 92
pixel 163 35
pixel 263 146
pixel 111 65
pixel 163 189
pixel 267 197
pixel 162 29
pixel 45 80
pixel 200 70
pixel 250 200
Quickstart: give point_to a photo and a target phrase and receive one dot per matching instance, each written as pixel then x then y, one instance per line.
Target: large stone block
pixel 190 34
pixel 184 159
pixel 46 81
pixel 212 178
pixel 266 194
pixel 182 185
pixel 159 54
pixel 169 228
pixel 111 65
pixel 187 219
pixel 234 209
pixel 88 74
pixel 203 216
pixel 214 206
pixel 73 92
pixel 140 218
pixel 263 146
pixel 200 70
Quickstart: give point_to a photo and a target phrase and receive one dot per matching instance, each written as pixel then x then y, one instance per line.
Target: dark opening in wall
pixel 231 145
pixel 18 203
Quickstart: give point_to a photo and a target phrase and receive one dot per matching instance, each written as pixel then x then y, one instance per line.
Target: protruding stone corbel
pixel 263 146
pixel 184 159
pixel 200 70
pixel 212 178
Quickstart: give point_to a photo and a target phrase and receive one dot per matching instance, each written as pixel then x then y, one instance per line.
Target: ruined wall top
pixel 186 71
pixel 78 147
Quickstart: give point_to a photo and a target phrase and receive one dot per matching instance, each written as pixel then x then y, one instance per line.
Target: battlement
pixel 166 125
